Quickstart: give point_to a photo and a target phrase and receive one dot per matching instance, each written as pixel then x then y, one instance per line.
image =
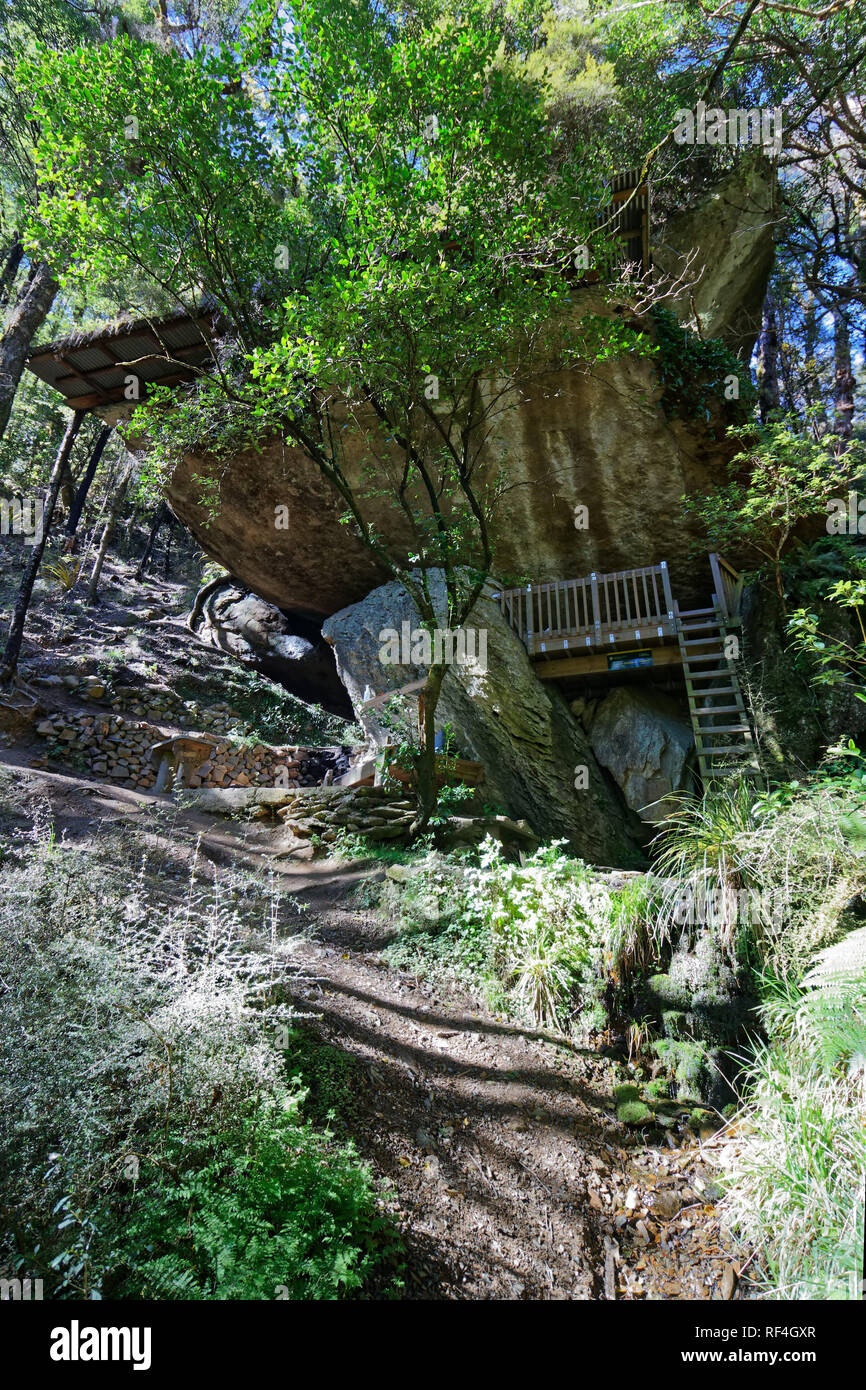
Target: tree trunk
pixel 767 370
pixel 10 270
pixel 24 319
pixel 166 559
pixel 844 383
pixel 116 505
pixel 811 387
pixel 84 487
pixel 426 769
pixel 9 660
pixel 159 518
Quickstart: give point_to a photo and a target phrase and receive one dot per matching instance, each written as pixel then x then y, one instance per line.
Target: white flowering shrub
pixel 152 1141
pixel 527 935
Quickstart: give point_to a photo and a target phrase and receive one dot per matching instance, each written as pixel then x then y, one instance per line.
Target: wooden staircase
pixel 590 619
pixel 723 736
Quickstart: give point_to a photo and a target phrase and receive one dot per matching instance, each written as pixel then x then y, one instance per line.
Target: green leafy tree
pixel 779 479
pixel 375 209
pixel 835 660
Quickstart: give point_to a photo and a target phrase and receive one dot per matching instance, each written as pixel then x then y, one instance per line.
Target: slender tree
pixel 417 260
pixel 84 486
pixel 9 659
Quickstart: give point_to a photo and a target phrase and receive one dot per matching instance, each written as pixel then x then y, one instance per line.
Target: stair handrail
pixel 728 586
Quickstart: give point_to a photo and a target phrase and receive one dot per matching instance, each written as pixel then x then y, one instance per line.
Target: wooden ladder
pixel 714 694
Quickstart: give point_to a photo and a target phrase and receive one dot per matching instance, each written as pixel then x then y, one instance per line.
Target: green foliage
pixel 693 371
pixel 701 858
pixel 831 638
pixel 328 1077
pixel 152 1139
pixel 797 1180
pixel 274 1211
pixel 781 477
pixel 630 947
pixel 776 867
pixel 525 935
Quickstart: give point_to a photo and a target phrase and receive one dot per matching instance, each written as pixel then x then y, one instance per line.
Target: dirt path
pixel 513 1177
pixel 510 1175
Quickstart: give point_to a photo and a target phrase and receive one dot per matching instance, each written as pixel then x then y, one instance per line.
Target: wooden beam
pixel 80 376
pixel 596 664
pixel 115 395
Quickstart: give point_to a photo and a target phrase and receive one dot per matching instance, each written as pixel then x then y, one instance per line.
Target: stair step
pixel 700 627
pixel 712 690
pixel 707 675
pixel 695 612
pixel 707 656
pixel 729 748
pixel 725 729
pixel 718 709
pixel 701 641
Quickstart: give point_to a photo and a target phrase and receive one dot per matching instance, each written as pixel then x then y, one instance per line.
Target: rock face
pixel 591 438
pixel 290 651
pixel 596 439
pixel 704 1008
pixel 646 743
pixel 507 719
pixel 728 239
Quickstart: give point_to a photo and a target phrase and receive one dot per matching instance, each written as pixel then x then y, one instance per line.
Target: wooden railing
pixel 624 605
pixel 728 586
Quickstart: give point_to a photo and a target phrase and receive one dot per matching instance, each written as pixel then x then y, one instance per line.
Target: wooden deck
pixel 599 610
pixel 630 620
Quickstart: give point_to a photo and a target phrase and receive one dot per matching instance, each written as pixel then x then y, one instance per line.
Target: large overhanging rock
pixel 533 750
pixel 646 743
pixel 596 438
pixel 724 248
pixel 288 650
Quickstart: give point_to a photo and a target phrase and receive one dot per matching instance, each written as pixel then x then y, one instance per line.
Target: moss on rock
pixel 634 1112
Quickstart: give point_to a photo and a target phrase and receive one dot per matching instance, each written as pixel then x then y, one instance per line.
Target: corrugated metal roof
pixel 90 370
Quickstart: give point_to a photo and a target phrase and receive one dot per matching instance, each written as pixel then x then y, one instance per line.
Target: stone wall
pixel 119 750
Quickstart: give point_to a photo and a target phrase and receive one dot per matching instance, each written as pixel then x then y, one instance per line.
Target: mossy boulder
pixel 700 1119
pixel 700 1073
pixel 702 997
pixel 634 1112
pixel 626 1092
pixel 675 1022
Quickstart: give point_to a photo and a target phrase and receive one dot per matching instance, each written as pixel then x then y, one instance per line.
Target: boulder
pixel 702 997
pixel 645 741
pixel 289 651
pixel 724 247
pixel 706 1007
pixel 595 438
pixel 504 717
pixel 586 436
